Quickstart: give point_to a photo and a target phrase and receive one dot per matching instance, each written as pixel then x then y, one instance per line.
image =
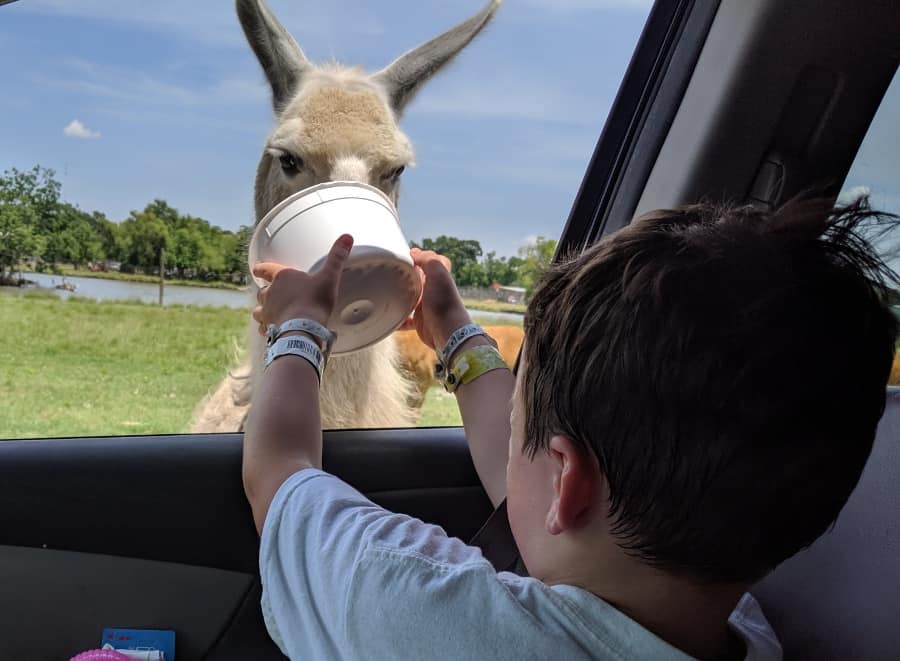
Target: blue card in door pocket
pixel 142 640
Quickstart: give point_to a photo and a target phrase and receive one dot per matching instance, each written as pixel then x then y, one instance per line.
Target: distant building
pixel 509 294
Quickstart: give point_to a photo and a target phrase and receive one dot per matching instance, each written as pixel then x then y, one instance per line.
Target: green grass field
pixel 82 368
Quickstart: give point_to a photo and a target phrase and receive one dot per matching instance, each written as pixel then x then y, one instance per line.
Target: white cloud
pixel 853 194
pixel 75 129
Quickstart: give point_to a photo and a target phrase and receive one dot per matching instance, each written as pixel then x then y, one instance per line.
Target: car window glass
pixel 876 173
pixel 129 142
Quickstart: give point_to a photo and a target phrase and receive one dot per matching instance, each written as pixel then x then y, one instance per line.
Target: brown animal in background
pixel 418 360
pixel 509 341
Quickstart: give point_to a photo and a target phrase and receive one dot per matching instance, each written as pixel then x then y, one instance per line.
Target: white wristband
pixel 314 328
pixel 458 336
pixel 297 346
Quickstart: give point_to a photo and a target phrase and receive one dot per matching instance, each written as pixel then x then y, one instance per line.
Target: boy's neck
pixel 690 616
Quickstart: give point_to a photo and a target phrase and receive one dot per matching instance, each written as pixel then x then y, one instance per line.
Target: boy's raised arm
pixel 485 403
pixel 284 433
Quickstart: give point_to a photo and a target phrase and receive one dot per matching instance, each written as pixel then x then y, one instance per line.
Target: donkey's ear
pixel 281 57
pixel 405 75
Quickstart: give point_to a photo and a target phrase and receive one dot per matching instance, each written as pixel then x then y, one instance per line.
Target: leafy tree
pixel 145 235
pixel 106 232
pixel 472 274
pixel 212 257
pixel 167 214
pixel 193 247
pixel 236 251
pixel 36 188
pixel 63 232
pixel 18 239
pixel 75 241
pixel 536 258
pixel 185 249
pixel 460 252
pixel 36 222
pixel 28 200
pixel 500 270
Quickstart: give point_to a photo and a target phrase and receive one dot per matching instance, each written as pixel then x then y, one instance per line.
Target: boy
pixel 696 399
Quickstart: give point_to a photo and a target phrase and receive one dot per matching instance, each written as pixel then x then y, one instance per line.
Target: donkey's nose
pixel 350 168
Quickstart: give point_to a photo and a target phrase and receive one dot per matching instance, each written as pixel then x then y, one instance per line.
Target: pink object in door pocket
pixel 101 655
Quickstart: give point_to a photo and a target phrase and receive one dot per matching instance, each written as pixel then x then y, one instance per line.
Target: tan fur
pixel 337 120
pixel 337 114
pixel 351 384
pixel 364 389
pixel 340 122
pixel 894 379
pixel 330 121
pixel 417 359
pixel 222 411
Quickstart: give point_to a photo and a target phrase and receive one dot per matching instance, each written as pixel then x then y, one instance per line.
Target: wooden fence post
pixel 162 273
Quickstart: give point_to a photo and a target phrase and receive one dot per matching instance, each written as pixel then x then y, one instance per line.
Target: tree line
pixel 35 223
pixel 472 268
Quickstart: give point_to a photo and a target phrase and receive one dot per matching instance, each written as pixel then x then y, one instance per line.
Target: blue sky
pixel 876 169
pixel 171 103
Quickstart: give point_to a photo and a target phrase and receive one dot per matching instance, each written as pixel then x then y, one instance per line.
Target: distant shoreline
pixel 115 276
pixel 494 306
pixel 146 279
pixel 147 291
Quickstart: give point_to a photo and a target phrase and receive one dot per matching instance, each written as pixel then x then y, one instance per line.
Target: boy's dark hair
pixel 727 366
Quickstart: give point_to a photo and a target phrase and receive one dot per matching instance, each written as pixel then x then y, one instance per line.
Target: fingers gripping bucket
pixel 379 287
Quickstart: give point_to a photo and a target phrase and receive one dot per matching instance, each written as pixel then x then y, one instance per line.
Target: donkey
pixel 334 123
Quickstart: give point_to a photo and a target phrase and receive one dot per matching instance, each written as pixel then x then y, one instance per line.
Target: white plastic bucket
pixel 380 285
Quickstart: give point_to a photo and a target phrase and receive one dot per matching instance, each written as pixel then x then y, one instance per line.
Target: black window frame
pixel 639 120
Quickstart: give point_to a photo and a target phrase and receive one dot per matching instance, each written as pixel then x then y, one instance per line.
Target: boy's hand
pixel 441 310
pixel 294 294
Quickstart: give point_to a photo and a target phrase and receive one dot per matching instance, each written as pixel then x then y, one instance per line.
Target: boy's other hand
pixel 440 310
pixel 294 294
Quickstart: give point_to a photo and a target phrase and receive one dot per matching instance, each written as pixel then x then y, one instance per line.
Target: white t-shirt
pixel 345 579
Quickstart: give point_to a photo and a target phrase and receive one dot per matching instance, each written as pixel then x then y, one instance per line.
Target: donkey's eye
pixel 395 173
pixel 291 164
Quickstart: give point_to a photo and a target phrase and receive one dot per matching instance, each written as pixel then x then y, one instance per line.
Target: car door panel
pixel 155 532
pixel 839 598
pixel 64 599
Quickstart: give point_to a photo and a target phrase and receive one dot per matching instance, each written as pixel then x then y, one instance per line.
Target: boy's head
pixel 722 369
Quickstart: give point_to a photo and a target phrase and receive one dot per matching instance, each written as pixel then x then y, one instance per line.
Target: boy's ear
pixel 576 482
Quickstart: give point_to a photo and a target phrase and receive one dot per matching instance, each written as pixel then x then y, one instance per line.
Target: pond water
pixel 118 290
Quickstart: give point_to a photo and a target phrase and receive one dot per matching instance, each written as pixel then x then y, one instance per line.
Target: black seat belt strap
pixel 495 539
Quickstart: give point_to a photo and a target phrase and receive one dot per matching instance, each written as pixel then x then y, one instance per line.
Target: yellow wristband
pixel 471 364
